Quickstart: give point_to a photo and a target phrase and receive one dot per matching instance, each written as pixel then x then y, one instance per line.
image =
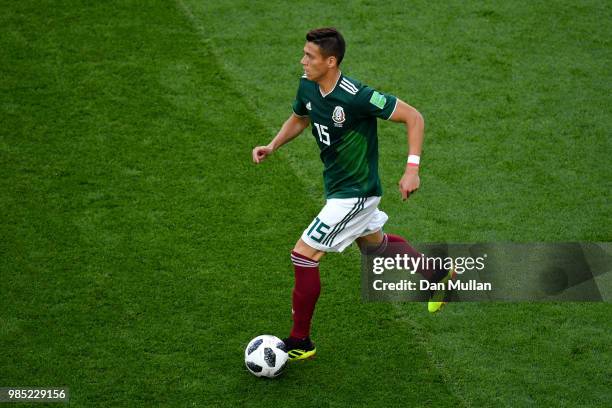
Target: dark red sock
pixel 305 293
pixel 401 246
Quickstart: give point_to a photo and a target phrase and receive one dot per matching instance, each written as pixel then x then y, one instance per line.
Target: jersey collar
pixel 334 87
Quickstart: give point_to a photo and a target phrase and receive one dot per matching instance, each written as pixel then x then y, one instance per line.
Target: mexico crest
pixel 338 116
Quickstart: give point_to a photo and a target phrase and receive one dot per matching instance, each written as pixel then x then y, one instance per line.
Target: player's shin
pixel 305 294
pixel 398 245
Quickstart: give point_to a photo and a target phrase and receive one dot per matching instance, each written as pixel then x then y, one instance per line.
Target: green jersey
pixel 344 125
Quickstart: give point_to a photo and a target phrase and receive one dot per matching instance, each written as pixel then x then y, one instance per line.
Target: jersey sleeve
pixel 298 104
pixel 370 102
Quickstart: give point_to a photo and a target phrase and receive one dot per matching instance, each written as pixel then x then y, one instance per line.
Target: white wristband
pixel 414 160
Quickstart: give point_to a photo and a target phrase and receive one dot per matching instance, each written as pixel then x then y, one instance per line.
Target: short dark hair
pixel 329 40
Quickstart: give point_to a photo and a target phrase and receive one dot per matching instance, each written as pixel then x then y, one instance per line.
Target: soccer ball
pixel 265 356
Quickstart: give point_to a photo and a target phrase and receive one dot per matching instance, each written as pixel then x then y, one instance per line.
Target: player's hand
pixel 260 153
pixel 409 184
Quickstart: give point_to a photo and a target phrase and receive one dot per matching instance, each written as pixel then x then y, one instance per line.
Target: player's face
pixel 314 63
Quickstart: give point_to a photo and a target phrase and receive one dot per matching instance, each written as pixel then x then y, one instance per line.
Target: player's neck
pixel 329 81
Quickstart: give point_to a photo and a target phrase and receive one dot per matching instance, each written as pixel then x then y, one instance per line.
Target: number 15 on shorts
pixel 318 230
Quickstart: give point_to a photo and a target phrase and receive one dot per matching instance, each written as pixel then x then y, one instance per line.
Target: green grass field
pixel 140 249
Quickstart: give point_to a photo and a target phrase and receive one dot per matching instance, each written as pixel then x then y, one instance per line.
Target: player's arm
pixel 289 131
pixel 415 128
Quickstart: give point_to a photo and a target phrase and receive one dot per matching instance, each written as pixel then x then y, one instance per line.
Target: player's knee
pixel 307 251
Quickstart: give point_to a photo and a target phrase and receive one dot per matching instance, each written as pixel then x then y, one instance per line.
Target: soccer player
pixel 343 113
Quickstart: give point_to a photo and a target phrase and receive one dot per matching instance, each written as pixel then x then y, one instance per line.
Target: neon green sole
pixel 434 307
pixel 437 300
pixel 296 355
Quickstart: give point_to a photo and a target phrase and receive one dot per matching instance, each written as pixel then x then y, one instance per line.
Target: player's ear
pixel 332 61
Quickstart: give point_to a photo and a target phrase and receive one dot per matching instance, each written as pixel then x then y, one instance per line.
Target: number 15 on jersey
pixel 323 133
